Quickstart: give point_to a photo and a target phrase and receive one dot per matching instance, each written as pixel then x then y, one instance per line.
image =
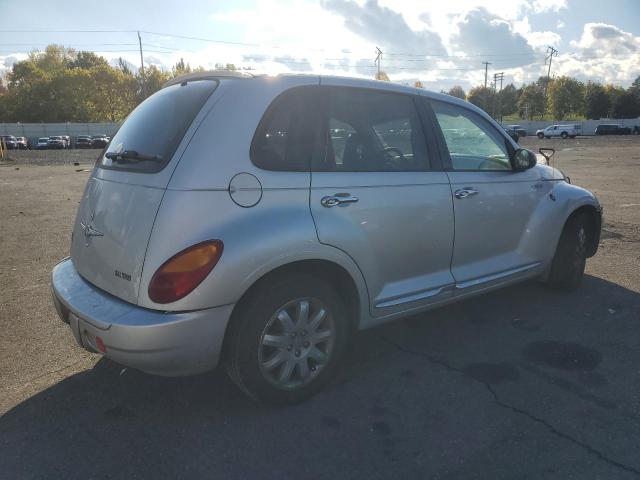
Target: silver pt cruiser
pixel 259 221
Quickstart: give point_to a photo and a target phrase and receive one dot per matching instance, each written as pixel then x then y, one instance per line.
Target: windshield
pixel 156 127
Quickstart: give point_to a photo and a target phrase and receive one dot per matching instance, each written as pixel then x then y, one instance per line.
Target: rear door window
pixel 150 135
pixel 372 131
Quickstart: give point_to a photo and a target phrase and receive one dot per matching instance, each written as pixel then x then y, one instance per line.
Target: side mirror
pixel 523 159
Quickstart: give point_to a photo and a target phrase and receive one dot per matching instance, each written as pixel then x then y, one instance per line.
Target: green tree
pixel 457 91
pixel 626 105
pixel 596 101
pixel 531 101
pixel 115 94
pixel 481 97
pixel 181 68
pixel 154 78
pixel 635 86
pixel 86 60
pixel 565 96
pixel 614 93
pixel 508 99
pixel 124 67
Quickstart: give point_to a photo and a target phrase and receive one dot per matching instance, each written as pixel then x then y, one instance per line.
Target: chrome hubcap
pixel 296 343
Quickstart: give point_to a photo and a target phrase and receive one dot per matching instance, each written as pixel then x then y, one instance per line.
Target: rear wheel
pixel 564 135
pixel 567 268
pixel 287 339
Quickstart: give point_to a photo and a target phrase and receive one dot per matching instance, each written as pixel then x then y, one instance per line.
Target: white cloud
pixel 536 39
pixel 601 39
pixel 548 5
pixel 604 53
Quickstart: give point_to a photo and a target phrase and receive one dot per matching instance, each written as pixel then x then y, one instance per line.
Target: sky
pixel 441 43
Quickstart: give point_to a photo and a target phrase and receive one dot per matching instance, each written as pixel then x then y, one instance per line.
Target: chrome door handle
pixel 465 192
pixel 338 199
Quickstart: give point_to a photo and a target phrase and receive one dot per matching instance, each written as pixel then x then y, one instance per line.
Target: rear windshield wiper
pixel 131 156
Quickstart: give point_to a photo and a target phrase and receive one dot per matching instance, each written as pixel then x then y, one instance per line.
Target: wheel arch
pixel 336 275
pixel 594 221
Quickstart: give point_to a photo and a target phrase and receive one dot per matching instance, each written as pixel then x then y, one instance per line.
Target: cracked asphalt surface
pixel 524 382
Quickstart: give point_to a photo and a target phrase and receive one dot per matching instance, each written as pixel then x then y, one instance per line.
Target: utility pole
pixel 551 51
pixel 378 59
pixel 486 69
pixel 141 63
pixel 496 77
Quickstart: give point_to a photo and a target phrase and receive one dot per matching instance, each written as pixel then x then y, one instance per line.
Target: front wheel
pixel 287 339
pixel 541 136
pixel 567 268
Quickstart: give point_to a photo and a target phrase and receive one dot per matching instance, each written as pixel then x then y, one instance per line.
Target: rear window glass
pixel 150 135
pixel 285 138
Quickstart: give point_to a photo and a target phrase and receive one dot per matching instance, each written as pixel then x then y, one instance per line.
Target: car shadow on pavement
pixel 106 423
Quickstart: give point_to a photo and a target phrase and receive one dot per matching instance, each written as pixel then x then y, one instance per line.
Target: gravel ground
pixel 50 157
pixel 519 383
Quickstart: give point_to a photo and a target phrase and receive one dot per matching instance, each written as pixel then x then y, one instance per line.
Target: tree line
pixel 557 98
pixel 64 85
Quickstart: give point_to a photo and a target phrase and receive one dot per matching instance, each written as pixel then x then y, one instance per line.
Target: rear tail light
pixel 183 272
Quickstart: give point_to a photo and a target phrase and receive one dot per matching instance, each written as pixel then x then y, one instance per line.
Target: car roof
pixel 332 79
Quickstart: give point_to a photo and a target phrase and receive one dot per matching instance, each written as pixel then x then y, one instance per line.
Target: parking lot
pixel 520 383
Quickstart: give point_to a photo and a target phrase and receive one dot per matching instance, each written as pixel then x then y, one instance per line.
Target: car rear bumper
pixel 161 343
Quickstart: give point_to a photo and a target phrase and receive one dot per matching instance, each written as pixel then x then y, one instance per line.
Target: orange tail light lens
pixel 183 272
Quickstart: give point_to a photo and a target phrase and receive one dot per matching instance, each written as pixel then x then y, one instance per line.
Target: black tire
pixel 567 268
pixel 252 319
pixel 564 135
pixel 541 135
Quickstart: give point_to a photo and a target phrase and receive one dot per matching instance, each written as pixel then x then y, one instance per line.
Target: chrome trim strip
pixel 496 276
pixel 395 301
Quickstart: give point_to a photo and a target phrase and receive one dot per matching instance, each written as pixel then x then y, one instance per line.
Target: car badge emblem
pixel 89 231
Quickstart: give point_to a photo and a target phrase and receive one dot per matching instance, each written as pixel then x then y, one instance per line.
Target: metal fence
pixel 33 131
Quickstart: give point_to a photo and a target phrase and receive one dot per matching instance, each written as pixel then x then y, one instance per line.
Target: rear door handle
pixel 465 192
pixel 343 199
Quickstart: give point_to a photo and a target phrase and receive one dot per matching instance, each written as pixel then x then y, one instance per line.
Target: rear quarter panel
pixel 197 205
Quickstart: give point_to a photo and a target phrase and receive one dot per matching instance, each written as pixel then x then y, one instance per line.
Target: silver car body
pixel 407 245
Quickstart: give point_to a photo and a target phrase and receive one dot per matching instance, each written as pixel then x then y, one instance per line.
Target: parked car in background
pixel 42 143
pixel 99 141
pixel 563 131
pixel 9 142
pixel 23 143
pixel 273 246
pixel 611 129
pixel 512 133
pixel 519 130
pixel 67 141
pixel 636 130
pixel 56 143
pixel 83 141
